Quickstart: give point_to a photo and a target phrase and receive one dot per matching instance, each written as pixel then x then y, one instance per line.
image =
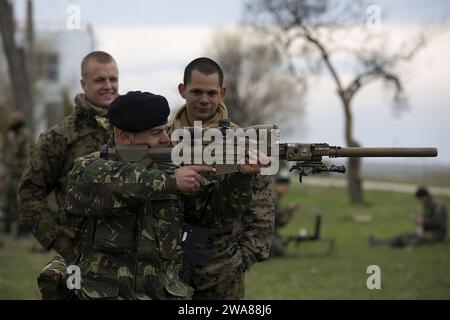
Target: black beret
pixel 138 111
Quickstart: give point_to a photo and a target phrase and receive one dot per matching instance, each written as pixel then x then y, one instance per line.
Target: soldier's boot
pixel 373 241
pixel 52 280
pixel 404 240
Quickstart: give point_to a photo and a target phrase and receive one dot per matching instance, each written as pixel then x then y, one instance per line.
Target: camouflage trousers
pixel 52 280
pixel 413 239
pixel 222 279
pixel 166 286
pixel 140 295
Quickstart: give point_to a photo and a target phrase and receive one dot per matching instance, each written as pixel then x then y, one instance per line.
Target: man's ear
pixel 182 90
pixel 123 137
pixel 223 91
pixel 82 83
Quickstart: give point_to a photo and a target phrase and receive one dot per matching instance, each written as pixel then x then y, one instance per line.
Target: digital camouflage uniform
pixel 283 215
pixel 239 241
pixel 434 228
pixel 14 156
pixel 129 226
pixel 51 158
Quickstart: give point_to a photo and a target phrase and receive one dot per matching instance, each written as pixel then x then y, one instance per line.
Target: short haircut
pixel 205 66
pixel 97 56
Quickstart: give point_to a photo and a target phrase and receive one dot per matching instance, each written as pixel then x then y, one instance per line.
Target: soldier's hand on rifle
pixel 255 160
pixel 189 178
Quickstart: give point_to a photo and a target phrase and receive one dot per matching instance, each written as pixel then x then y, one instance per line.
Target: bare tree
pixel 308 30
pixel 259 88
pixel 18 61
pixel 6 99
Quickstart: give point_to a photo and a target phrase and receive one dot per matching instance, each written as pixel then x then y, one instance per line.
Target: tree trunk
pixel 17 66
pixel 354 179
pixel 31 66
pixel 353 164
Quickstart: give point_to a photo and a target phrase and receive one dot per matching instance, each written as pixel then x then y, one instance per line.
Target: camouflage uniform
pixel 2 180
pixel 239 241
pixel 129 224
pixel 15 154
pixel 434 228
pixel 51 158
pixel 283 215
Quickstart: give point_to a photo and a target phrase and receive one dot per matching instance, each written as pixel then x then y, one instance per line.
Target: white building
pixel 61 51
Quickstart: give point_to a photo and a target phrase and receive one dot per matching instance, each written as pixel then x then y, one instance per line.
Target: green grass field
pixel 415 273
pixel 418 273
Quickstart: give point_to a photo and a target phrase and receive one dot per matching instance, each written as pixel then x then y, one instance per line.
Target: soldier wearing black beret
pixel 135 208
pixel 129 216
pixel 140 118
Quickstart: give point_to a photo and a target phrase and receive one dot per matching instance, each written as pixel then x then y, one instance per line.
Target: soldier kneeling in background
pixel 431 226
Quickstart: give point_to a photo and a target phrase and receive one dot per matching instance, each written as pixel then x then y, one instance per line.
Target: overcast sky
pixel 153 40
